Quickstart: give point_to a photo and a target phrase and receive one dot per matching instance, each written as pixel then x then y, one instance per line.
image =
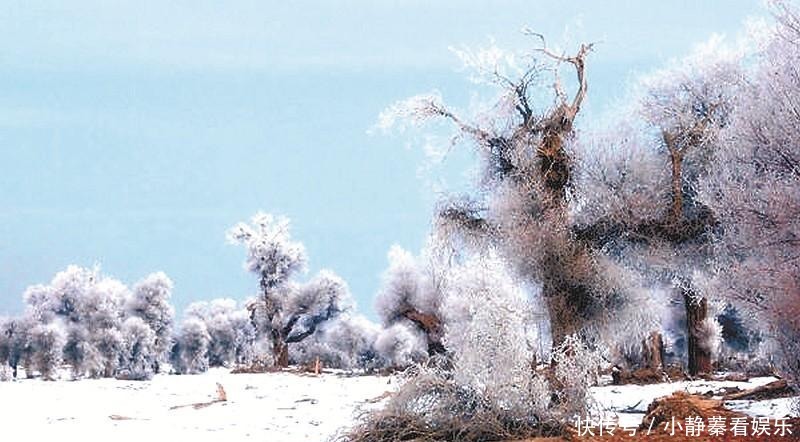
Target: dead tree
pixel 530 157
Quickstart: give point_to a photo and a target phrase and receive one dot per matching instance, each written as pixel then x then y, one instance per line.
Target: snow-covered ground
pixel 629 402
pixel 270 407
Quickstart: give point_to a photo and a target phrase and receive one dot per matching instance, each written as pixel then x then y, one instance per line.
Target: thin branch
pixel 578 61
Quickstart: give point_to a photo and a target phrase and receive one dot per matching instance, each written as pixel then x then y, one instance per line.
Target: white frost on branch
pixel 412 112
pixel 487 331
pixel 489 64
pixel 271 252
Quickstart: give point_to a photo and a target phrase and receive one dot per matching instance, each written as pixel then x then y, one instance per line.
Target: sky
pixel 133 134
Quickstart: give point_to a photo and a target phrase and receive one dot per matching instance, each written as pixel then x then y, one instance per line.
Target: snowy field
pixel 270 407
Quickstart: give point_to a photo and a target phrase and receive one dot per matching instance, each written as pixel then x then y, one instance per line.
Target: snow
pixel 629 402
pixel 273 406
pixel 772 408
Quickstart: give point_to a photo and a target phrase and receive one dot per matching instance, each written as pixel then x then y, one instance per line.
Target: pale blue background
pixel 133 134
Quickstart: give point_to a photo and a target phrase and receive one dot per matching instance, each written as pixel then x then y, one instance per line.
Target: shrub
pixel 139 351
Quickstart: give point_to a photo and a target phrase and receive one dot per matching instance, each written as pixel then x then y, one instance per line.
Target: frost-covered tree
pixel 63 297
pixel 150 302
pixel 83 311
pixel 400 345
pixel 486 385
pixel 90 348
pixel 190 353
pixel 689 110
pixel 522 206
pixel 755 191
pixel 88 305
pixel 103 314
pixel 412 292
pixel 15 341
pixel 78 351
pixel 109 344
pixel 636 195
pixel 347 342
pixel 139 350
pixel 289 312
pixel 5 347
pixel 232 334
pixel 47 346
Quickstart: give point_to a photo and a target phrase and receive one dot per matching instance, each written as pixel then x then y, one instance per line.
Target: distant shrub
pixel 401 345
pixel 139 351
pixel 232 334
pixel 190 354
pixel 347 342
pixel 47 346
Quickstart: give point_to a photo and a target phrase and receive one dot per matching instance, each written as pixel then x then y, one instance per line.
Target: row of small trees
pixel 98 327
pixel 94 324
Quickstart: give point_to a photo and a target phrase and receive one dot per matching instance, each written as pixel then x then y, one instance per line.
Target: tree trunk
pixel 676 159
pixel 564 315
pixel 677 187
pixel 697 350
pixel 773 390
pixel 280 353
pixel 570 303
pixel 653 348
pixel 559 329
pixel 431 326
pixel 696 307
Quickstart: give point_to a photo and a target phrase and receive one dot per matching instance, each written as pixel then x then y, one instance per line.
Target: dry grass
pixel 430 407
pixel 681 405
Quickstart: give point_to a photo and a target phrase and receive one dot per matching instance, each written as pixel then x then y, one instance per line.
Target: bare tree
pixel 523 203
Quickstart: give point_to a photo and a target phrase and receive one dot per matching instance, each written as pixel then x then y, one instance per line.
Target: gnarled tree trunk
pixel 280 352
pixel 697 350
pixel 699 354
pixel 431 326
pixel 653 350
pixel 542 139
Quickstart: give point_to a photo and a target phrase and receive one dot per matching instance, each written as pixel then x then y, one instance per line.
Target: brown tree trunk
pixel 566 311
pixel 559 328
pixel 676 159
pixel 431 326
pixel 571 305
pixel 653 348
pixel 280 353
pixel 697 350
pixel 677 186
pixel 696 307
